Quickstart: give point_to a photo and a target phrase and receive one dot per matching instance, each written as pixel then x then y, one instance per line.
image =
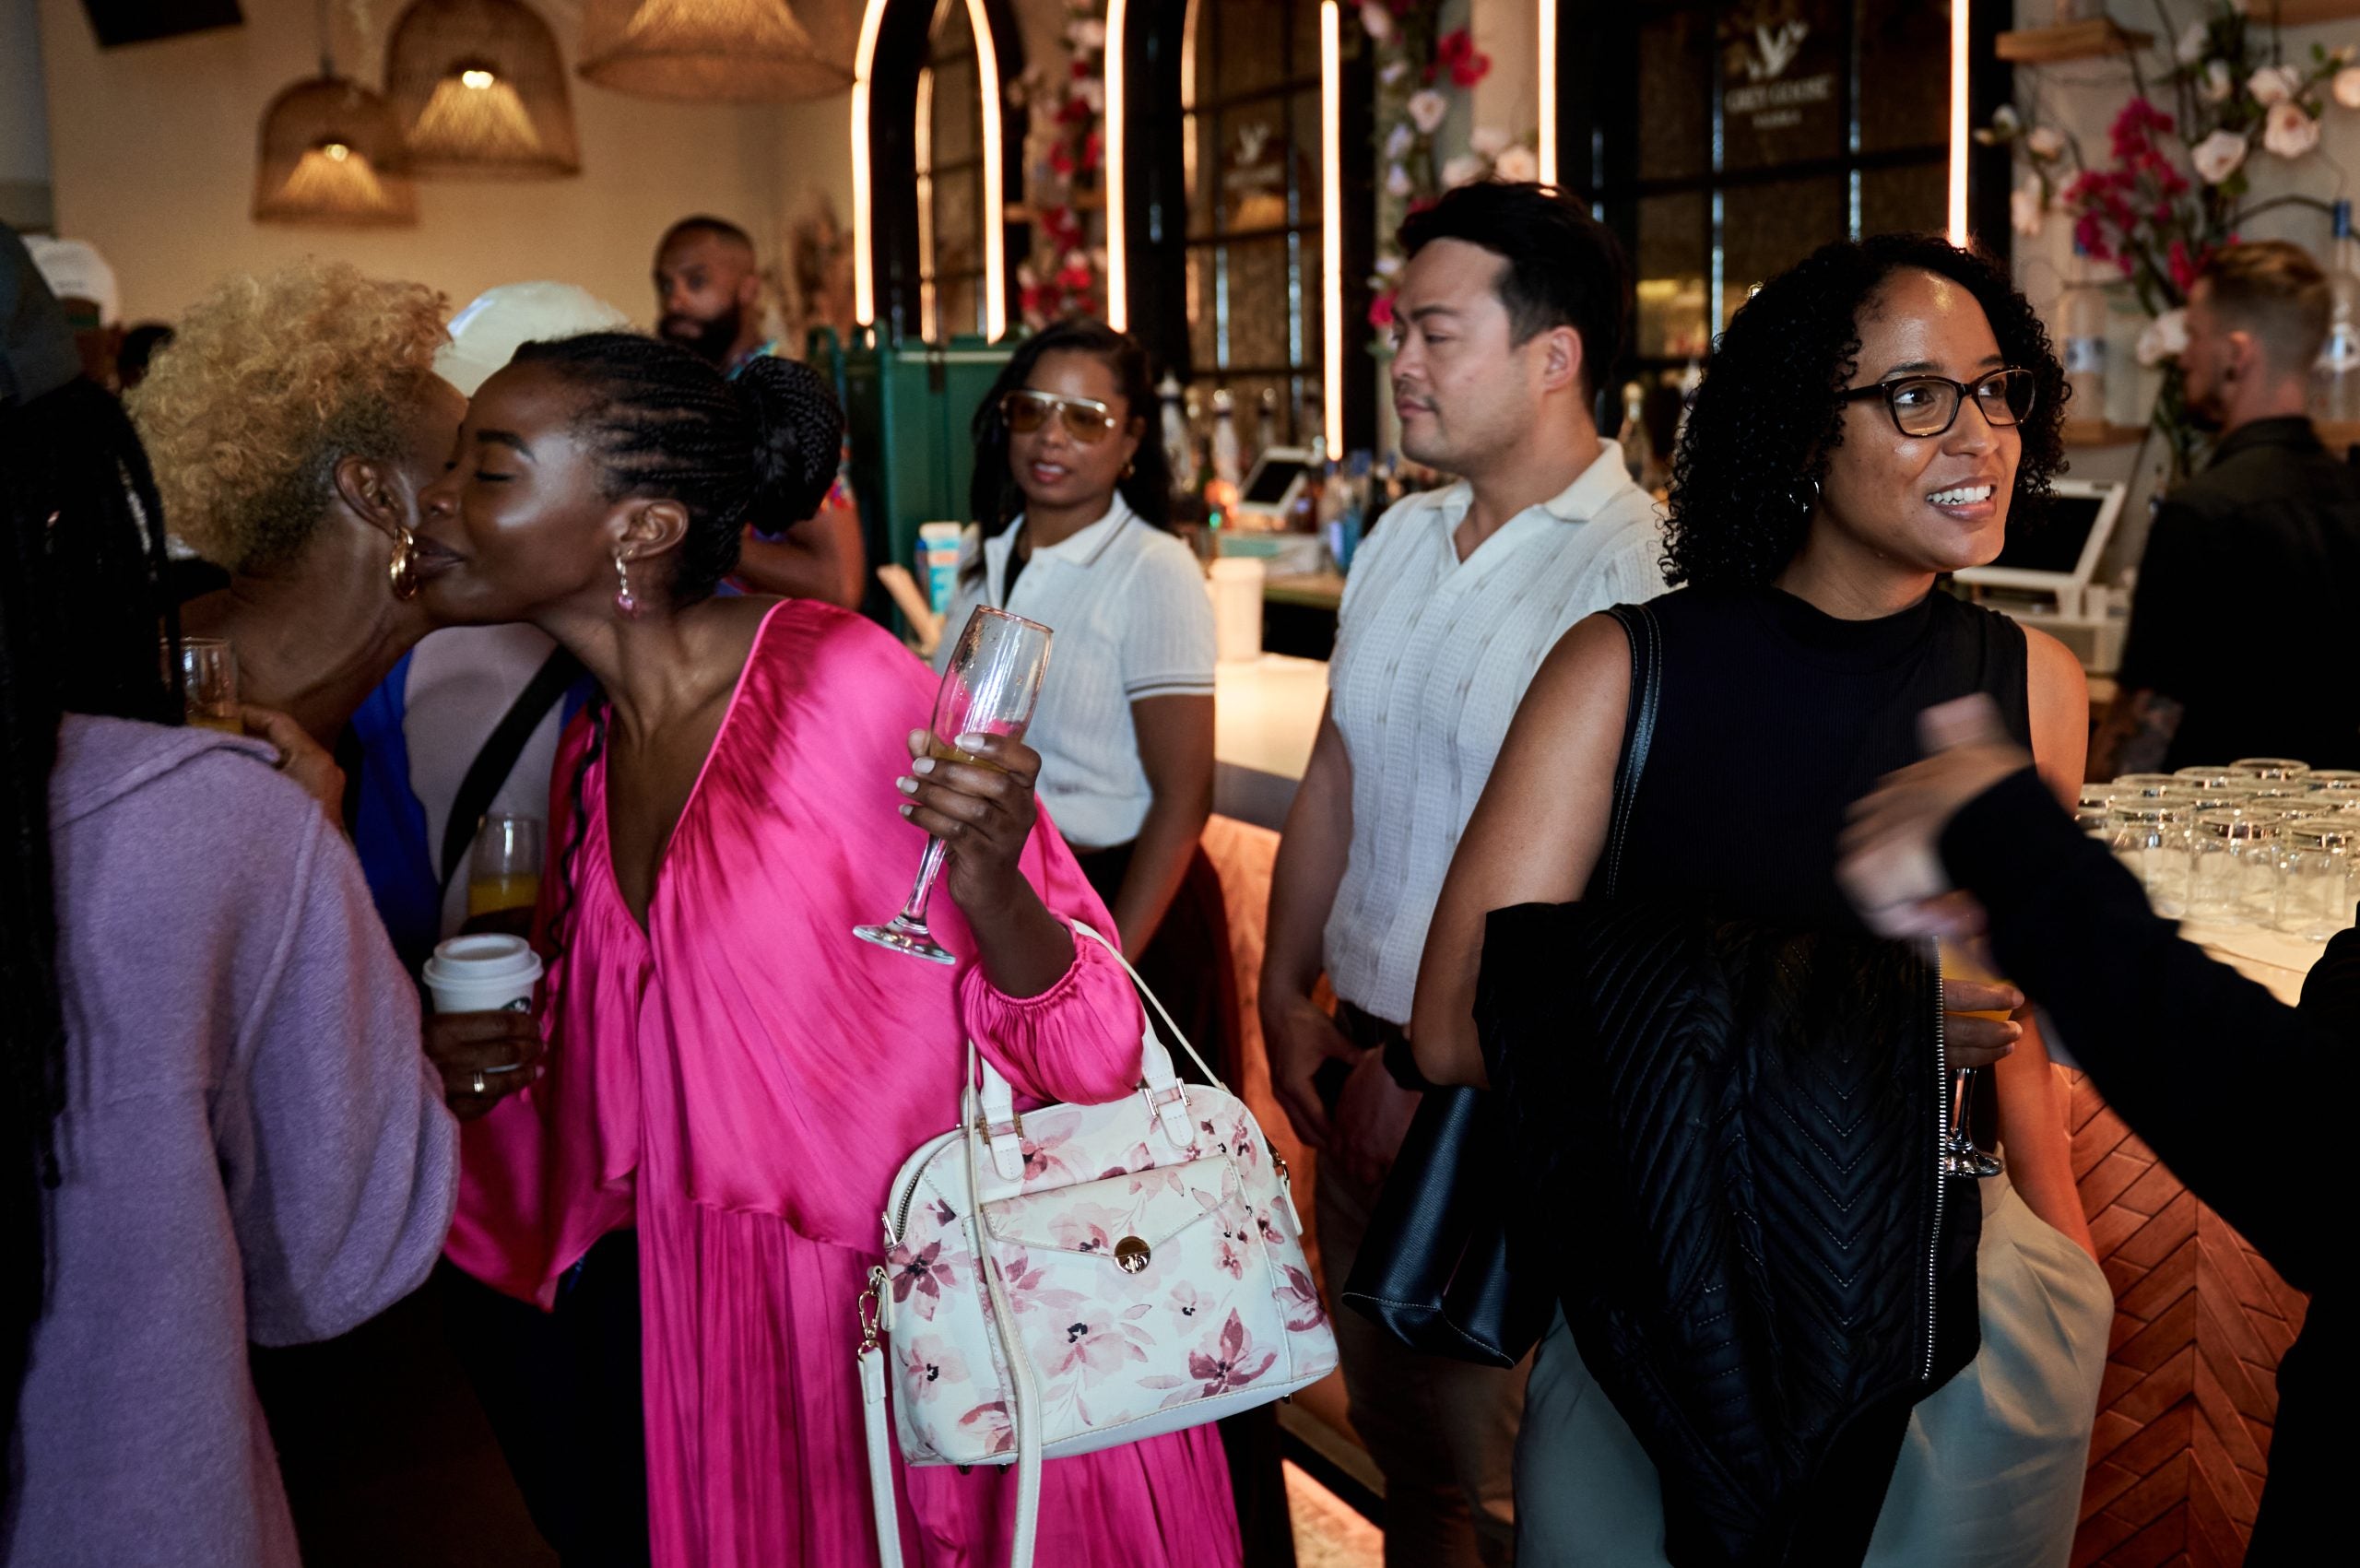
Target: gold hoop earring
pixel 402 570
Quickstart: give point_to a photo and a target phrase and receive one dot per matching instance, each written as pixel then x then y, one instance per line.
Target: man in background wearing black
pixel 2247 1101
pixel 2242 617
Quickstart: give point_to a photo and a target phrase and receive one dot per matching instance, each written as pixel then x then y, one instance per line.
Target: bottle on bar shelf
pixel 2335 379
pixel 2083 319
pixel 1227 461
pixel 1179 449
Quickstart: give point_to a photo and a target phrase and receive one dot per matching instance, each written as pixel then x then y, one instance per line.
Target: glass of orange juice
pixel 209 683
pixel 504 869
pixel 1960 1155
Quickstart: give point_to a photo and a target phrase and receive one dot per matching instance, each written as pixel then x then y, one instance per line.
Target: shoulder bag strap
pixel 1639 624
pixel 498 757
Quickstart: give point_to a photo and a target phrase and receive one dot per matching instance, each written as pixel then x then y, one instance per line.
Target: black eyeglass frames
pixel 1927 405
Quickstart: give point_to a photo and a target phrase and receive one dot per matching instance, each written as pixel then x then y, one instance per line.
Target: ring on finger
pixel 477 1085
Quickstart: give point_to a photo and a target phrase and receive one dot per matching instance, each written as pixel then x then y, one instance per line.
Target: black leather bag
pixel 1435 1270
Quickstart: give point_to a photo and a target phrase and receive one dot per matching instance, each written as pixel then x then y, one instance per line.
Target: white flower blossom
pixel 1427 107
pixel 1487 140
pixel 2218 156
pixel 1389 266
pixel 2165 337
pixel 2192 43
pixel 1092 91
pixel 1396 181
pixel 1377 22
pixel 2025 211
pixel 2347 87
pixel 2290 132
pixel 2004 122
pixel 1466 169
pixel 2044 142
pixel 1518 164
pixel 2274 85
pixel 1087 33
pixel 1394 71
pixel 2218 83
pixel 1398 145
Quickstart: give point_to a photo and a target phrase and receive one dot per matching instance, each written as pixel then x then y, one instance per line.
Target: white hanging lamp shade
pixel 480 90
pixel 740 50
pixel 331 156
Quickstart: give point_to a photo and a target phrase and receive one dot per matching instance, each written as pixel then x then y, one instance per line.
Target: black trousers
pixel 561 1390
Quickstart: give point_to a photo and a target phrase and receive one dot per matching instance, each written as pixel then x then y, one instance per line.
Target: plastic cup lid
pixel 473 959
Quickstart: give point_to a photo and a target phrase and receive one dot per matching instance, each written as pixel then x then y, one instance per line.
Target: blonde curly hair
pixel 268 383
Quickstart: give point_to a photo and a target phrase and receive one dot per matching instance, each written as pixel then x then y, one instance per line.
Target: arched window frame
pixel 892 54
pixel 1153 208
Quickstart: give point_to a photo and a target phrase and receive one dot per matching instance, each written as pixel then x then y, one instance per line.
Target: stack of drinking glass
pixel 2265 841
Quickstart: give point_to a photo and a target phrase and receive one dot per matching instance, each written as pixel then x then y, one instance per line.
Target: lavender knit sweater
pixel 252 1147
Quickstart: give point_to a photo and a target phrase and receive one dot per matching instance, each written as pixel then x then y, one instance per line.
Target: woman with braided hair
pixel 731 1072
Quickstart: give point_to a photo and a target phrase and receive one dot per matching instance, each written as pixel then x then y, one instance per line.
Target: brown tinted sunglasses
pixel 1087 420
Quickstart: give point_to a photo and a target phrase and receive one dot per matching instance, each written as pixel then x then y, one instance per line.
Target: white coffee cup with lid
pixel 483 974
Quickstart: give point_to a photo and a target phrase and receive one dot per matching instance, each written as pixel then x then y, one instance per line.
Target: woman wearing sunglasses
pixel 1870 421
pixel 1072 503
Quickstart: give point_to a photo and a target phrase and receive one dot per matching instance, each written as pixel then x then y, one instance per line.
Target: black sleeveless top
pixel 1773 718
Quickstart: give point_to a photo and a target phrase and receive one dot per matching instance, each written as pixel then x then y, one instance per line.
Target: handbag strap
pixel 1159 1079
pixel 497 759
pixel 1646 634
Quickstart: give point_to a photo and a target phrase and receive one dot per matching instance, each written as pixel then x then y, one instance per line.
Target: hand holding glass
pixel 988 688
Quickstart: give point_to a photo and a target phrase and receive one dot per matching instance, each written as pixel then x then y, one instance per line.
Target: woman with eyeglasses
pixel 1873 419
pixel 1072 504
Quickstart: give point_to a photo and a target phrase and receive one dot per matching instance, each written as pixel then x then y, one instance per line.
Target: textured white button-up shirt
pixel 1433 655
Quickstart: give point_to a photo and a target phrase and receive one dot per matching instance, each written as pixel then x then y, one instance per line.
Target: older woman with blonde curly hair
pixel 292 422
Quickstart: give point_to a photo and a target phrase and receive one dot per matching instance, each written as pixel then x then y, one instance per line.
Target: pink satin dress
pixel 741 1080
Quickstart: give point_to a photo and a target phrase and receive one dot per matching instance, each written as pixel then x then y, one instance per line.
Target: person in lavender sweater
pixel 220 1125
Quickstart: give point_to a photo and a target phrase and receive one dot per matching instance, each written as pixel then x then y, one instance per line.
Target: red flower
pixel 1380 312
pixel 1458 55
pixel 1094 149
pixel 1061 159
pixel 1073 112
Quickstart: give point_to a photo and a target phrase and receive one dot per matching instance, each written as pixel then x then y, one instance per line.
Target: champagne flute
pixel 1960 1155
pixel 988 688
pixel 208 679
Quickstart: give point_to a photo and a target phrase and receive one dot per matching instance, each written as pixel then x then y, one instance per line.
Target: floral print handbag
pixel 1076 1277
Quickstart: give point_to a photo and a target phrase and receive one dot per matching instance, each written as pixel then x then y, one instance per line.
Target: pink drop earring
pixel 623 599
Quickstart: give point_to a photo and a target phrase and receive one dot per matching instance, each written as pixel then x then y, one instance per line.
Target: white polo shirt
pixel 1127 603
pixel 1433 655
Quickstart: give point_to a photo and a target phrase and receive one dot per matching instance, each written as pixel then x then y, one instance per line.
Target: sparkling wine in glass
pixel 989 687
pixel 1960 1155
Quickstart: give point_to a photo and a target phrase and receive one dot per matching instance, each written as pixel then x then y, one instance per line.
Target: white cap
pixel 485 335
pixel 74 270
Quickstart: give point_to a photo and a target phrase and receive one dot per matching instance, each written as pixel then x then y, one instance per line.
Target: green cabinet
pixel 909 407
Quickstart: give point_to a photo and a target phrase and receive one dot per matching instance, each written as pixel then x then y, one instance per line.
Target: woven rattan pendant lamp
pixel 745 51
pixel 331 155
pixel 480 91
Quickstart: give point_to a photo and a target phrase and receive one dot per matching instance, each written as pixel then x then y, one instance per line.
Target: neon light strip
pixel 864 233
pixel 1961 36
pixel 1331 218
pixel 1548 9
pixel 987 87
pixel 1118 273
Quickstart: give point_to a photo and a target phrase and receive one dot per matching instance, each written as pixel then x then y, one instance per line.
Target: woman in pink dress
pixel 730 1070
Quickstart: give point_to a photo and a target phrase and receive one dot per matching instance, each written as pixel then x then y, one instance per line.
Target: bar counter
pixel 2182 1440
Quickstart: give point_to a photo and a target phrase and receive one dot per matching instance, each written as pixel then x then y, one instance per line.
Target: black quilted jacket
pixel 1729 1135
